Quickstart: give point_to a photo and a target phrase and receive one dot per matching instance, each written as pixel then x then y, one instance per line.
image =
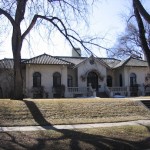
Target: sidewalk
pixel 77 126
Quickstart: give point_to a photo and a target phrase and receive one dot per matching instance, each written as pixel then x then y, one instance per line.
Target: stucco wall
pixel 86 67
pixel 140 74
pixel 46 76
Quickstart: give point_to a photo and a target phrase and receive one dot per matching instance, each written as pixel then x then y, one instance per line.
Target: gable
pixel 92 61
pixel 136 63
pixel 132 62
pixel 91 65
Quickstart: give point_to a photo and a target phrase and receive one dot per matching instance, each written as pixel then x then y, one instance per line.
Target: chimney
pixel 76 52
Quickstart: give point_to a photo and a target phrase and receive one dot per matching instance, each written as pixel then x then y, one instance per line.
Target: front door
pixel 93 79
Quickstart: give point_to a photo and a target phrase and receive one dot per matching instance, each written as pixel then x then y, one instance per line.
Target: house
pixel 58 76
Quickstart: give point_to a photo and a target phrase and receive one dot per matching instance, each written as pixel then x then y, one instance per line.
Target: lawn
pixel 69 111
pixel 74 111
pixel 115 138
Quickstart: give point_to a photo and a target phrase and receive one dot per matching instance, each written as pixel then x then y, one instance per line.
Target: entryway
pixel 92 78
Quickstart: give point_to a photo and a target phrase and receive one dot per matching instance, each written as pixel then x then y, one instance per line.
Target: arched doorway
pixel 92 78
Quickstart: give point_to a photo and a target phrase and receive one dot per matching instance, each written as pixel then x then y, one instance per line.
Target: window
pixel 109 81
pixel 120 80
pixel 56 79
pixel 132 79
pixel 70 81
pixel 36 79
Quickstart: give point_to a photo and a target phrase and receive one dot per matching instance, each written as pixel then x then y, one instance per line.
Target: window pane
pixel 109 81
pixel 132 79
pixel 36 79
pixel 120 79
pixel 56 79
pixel 70 81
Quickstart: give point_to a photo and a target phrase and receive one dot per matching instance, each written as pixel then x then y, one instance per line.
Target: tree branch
pixel 63 30
pixel 33 22
pixel 7 15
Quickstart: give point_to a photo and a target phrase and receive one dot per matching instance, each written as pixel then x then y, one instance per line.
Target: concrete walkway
pixel 77 126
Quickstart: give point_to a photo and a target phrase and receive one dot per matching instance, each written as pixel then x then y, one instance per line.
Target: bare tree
pixel 128 42
pixel 136 38
pixel 25 15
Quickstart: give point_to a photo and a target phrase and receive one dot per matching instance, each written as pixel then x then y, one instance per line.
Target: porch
pixel 63 91
pixel 127 91
pixel 78 92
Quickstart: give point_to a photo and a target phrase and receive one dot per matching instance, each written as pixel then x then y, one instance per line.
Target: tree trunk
pixel 16 48
pixel 143 40
pixel 18 82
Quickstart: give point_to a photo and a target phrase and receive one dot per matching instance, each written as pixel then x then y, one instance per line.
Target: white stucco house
pixel 48 76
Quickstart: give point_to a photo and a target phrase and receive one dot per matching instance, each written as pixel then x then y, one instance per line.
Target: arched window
pixel 70 81
pixel 109 81
pixel 36 79
pixel 56 79
pixel 132 79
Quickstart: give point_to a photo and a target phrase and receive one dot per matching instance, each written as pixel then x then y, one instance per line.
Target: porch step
pixel 146 103
pixel 102 94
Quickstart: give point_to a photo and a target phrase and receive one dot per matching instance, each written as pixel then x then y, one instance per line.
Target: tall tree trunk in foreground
pixel 142 37
pixel 16 48
pixel 142 10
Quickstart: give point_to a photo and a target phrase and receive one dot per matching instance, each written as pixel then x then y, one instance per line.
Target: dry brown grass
pixel 69 111
pixel 117 138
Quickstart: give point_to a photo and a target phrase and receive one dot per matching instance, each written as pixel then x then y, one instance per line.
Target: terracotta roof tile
pixel 46 60
pixel 6 63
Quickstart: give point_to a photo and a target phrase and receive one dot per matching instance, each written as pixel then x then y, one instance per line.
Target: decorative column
pixel 128 91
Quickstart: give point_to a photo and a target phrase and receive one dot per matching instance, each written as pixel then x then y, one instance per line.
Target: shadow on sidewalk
pixel 72 139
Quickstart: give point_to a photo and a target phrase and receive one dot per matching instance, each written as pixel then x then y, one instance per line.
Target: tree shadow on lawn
pixel 69 139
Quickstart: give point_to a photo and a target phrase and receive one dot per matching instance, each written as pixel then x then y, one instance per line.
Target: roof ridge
pixel 138 59
pixel 64 61
pixel 109 58
pixel 46 59
pixel 71 57
pixel 37 56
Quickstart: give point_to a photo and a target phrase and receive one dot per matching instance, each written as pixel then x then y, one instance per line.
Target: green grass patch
pixel 69 111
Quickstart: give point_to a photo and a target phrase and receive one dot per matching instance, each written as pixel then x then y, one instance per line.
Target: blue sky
pixel 106 20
